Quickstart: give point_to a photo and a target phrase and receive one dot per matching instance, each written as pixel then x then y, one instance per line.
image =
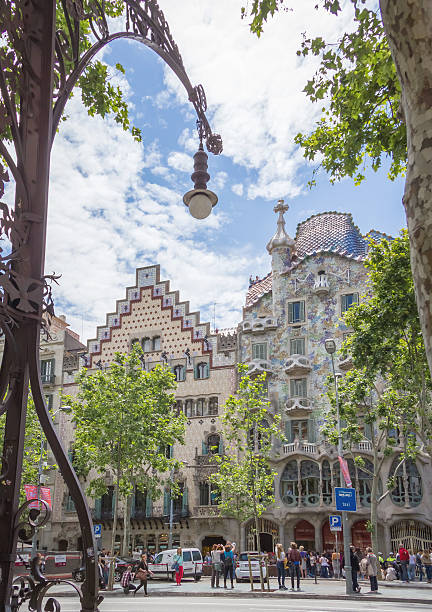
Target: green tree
pixel 386 397
pixel 125 418
pixel 245 478
pixel 32 447
pixel 376 83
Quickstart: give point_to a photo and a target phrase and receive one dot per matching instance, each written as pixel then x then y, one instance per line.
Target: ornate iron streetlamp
pixel 39 66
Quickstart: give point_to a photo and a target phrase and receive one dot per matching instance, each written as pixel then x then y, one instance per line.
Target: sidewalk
pixel 325 589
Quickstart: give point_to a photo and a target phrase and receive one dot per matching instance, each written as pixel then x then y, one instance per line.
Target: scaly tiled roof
pixel 328 232
pixel 332 232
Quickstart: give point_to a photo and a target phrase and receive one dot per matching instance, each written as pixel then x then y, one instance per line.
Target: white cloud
pixel 237 189
pixel 181 161
pixel 253 86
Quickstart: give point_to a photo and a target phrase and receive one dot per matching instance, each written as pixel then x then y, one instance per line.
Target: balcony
pixel 345 362
pixel 308 448
pixel 206 511
pixel 364 446
pixel 258 366
pixel 257 326
pixel 298 364
pixel 301 404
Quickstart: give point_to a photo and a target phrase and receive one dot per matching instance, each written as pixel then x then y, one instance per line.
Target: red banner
pixel 31 492
pixel 345 471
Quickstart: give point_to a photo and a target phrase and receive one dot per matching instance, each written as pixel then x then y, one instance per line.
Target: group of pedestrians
pixel 289 562
pixel 406 564
pixel 222 559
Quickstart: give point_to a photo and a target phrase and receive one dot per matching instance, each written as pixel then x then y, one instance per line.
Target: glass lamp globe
pixel 200 206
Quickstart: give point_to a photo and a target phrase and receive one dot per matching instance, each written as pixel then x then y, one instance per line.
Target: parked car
pixel 192 564
pixel 242 567
pixel 78 574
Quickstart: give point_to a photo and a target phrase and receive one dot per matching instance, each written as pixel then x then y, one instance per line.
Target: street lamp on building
pixel 330 347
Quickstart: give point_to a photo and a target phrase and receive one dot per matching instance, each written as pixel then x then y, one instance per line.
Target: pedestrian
pixel 312 562
pixel 127 581
pixel 336 564
pixel 403 560
pixel 294 562
pixel 372 569
pixel 355 568
pixel 177 566
pixel 102 583
pixel 280 564
pixel 104 570
pixel 426 560
pixel 419 565
pixel 303 554
pixel 411 566
pixel 142 574
pixel 215 564
pixel 324 566
pixel 227 559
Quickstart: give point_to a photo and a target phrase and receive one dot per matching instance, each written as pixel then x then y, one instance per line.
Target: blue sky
pixel 116 205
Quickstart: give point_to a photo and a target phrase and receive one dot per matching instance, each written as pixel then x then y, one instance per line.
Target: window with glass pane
pixel 259 351
pixel 47 370
pixel 326 483
pixel 213 406
pixel 200 407
pixel 204 494
pixel 300 430
pixel 310 481
pixel 202 371
pixel 296 312
pixel 179 372
pixel 289 491
pixel 189 408
pixel 156 343
pixel 146 345
pixel 298 387
pixel 213 444
pixel 297 346
pixel 348 300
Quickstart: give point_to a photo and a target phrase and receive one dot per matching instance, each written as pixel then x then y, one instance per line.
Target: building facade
pixel 204 366
pixel 288 315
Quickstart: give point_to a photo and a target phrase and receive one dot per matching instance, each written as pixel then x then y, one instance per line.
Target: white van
pixel 192 564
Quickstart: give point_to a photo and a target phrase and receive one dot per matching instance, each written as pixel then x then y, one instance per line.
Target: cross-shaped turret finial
pixel 281 207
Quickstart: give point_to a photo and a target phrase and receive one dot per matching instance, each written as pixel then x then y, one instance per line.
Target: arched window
pixel 146 345
pixel 407 473
pixel 201 370
pixel 310 482
pixel 326 483
pixel 156 343
pixel 179 373
pixel 213 406
pixel 289 484
pixel 189 408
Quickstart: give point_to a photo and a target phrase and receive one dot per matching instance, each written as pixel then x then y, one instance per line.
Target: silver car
pixel 242 567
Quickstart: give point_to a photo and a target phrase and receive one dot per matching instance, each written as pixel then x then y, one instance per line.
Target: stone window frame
pixel 290 315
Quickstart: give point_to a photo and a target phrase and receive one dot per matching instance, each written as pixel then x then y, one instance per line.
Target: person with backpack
pixel 227 559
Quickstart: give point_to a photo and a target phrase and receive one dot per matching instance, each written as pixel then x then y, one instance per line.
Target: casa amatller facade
pixel 315 277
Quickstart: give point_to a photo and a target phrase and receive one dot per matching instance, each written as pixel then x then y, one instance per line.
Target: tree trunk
pixel 374 507
pixel 113 535
pixel 126 525
pixel 408 25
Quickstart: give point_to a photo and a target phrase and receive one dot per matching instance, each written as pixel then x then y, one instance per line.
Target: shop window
pixel 259 350
pixel 297 346
pixel 296 312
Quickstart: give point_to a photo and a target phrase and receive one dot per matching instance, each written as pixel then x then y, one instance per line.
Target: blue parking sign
pixel 345 499
pixel 335 522
pixel 97 530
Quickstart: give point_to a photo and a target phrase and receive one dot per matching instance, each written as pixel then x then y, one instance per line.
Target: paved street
pixel 226 604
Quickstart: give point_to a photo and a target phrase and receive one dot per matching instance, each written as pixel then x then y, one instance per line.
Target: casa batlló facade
pixel 287 317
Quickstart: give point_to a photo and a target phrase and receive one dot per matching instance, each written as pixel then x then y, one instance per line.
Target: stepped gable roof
pixel 333 232
pixel 258 289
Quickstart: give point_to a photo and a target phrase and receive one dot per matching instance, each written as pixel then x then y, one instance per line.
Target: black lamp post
pixel 40 65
